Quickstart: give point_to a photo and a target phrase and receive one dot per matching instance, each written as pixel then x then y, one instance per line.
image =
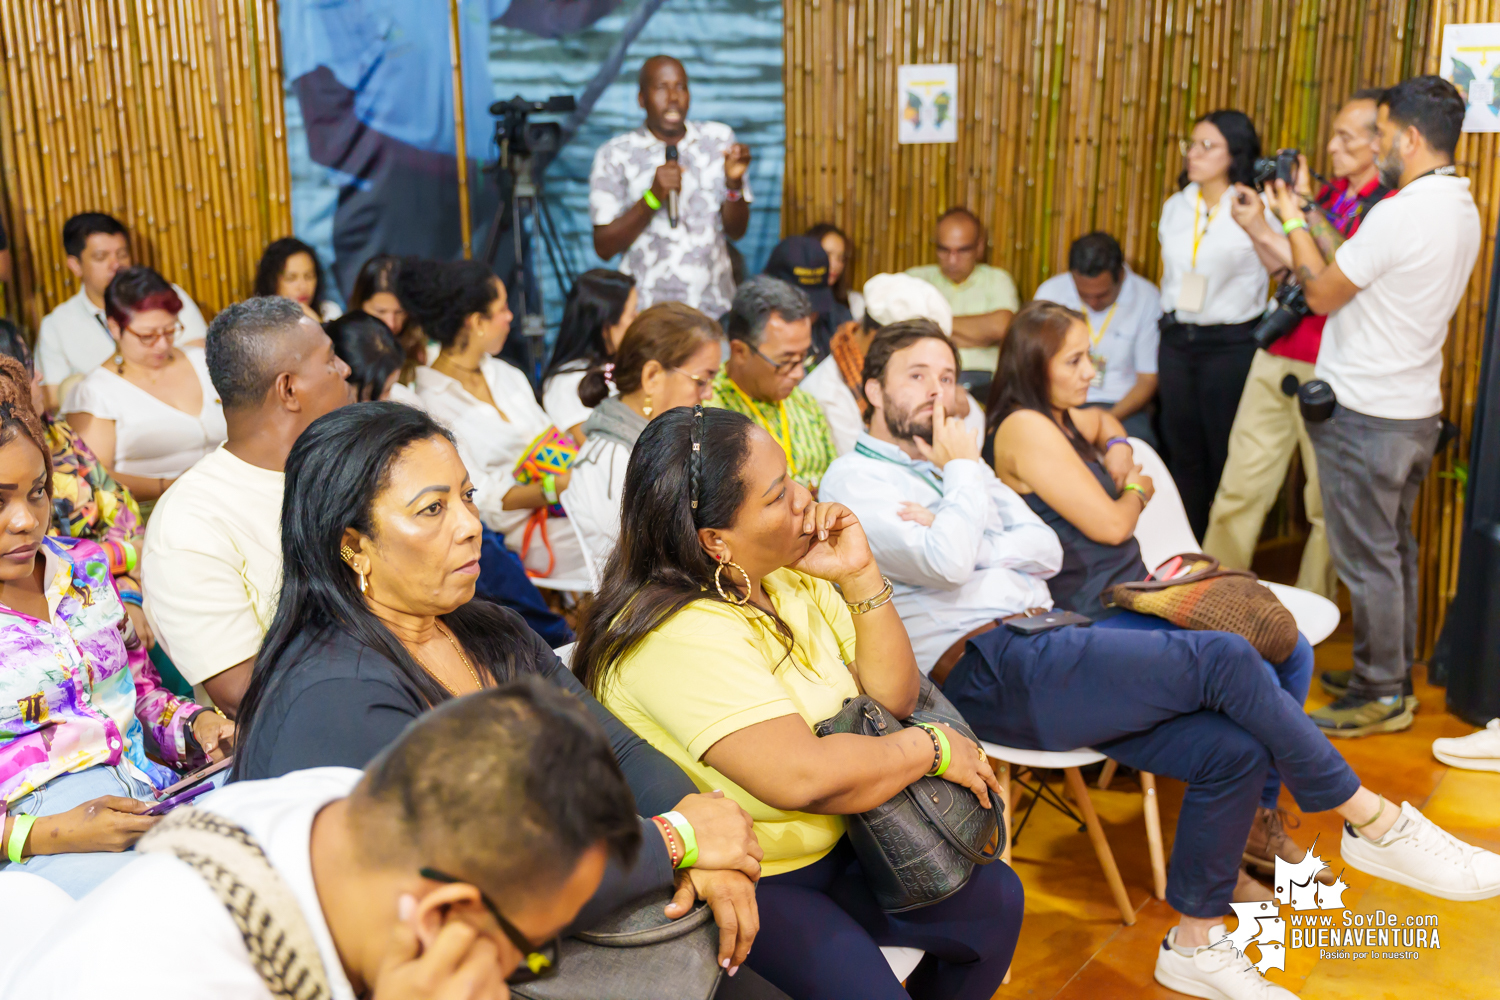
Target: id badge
pixel 1193 294
pixel 1100 363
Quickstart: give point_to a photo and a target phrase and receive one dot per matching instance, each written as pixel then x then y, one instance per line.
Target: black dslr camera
pixel 1282 167
pixel 1288 308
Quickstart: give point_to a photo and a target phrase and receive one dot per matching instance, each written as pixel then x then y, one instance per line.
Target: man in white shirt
pixel 637 176
pixel 212 558
pixel 73 339
pixel 454 859
pixel 1121 309
pixel 1389 293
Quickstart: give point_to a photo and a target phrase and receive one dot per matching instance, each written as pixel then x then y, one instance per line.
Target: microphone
pixel 672 195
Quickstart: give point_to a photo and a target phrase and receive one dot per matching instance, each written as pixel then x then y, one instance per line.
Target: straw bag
pixel 1217 600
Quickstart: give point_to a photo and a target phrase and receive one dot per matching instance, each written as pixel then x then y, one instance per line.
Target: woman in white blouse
pixel 290 268
pixel 1213 290
pixel 666 359
pixel 487 404
pixel 600 307
pixel 150 412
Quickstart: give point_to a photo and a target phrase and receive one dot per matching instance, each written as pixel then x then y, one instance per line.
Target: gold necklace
pixel 461 655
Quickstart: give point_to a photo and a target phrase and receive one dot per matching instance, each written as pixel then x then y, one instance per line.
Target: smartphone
pixel 1046 622
pixel 197 776
pixel 167 805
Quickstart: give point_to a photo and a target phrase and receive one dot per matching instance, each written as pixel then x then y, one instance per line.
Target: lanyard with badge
pixel 1096 353
pixel 785 440
pixel 1194 291
pixel 861 449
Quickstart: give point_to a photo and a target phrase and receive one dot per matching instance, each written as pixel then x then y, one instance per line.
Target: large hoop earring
pixel 348 555
pixel 719 586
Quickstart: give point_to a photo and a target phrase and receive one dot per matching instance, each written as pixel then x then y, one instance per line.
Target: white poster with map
pixel 927 97
pixel 1471 62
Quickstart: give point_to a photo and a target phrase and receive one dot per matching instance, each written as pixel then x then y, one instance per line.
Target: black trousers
pixel 1202 372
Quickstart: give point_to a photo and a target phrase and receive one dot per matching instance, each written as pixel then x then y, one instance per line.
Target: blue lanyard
pixel 862 449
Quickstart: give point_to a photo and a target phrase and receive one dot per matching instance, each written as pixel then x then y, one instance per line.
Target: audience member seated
pixel 82 702
pixel 74 338
pixel 386 884
pixel 377 624
pixel 490 407
pixel 769 326
pixel 368 347
pixel 667 359
pixel 983 297
pixel 212 563
pixel 601 306
pixel 1121 309
pixel 290 268
pixel 838 384
pixel 722 550
pixel 150 412
pixel 801 262
pixel 375 294
pixel 849 305
pixel 1198 706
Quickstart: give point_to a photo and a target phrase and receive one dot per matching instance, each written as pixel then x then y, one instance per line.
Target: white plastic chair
pixel 1163 531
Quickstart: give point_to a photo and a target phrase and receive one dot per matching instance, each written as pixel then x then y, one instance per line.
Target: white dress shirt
pixel 560 398
pixel 1238 284
pixel 826 385
pixel 74 340
pixel 985 555
pixel 1127 331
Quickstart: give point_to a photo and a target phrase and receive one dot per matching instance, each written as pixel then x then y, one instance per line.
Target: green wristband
pixel 1136 488
pixel 947 751
pixel 1292 225
pixel 18 834
pixel 549 487
pixel 685 833
pixel 651 200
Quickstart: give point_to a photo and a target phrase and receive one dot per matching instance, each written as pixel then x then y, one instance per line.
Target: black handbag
pixel 921 846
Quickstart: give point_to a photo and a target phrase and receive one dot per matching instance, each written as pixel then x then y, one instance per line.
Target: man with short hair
pixel 1389 294
pixel 74 338
pixel 633 182
pixel 1121 309
pixel 212 559
pixel 983 297
pixel 1268 425
pixel 770 338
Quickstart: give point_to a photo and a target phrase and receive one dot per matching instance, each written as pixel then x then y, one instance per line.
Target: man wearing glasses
pixel 983 297
pixel 769 326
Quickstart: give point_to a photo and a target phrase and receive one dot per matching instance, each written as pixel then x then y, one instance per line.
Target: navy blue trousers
pixel 503 580
pixel 821 932
pixel 1198 706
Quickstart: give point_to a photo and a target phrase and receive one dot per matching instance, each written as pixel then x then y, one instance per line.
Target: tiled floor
pixel 1073 945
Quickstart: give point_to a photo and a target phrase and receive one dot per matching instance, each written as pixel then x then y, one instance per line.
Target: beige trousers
pixel 1267 428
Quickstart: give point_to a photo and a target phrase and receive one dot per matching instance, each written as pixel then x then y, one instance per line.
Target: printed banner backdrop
pixel 370 113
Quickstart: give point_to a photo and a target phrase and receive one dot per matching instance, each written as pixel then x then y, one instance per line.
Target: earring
pixel 348 555
pixel 646 410
pixel 726 561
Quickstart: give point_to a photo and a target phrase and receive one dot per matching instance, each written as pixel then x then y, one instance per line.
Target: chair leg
pixel 1002 772
pixel 1101 845
pixel 1153 834
pixel 1107 775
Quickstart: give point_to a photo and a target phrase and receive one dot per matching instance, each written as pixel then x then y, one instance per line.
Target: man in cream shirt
pixel 212 559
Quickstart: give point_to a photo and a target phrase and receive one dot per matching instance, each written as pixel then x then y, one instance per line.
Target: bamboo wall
pixel 166 114
pixel 1071 113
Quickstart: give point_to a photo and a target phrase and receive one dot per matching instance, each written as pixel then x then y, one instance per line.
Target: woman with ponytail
pixel 600 308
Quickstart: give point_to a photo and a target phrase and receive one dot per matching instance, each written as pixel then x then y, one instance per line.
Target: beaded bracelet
pixel 666 833
pixel 942 753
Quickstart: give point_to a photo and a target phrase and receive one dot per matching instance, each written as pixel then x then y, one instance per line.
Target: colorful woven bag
pixel 1210 598
pixel 551 452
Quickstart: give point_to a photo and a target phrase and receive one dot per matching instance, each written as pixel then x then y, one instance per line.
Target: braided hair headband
pixel 695 459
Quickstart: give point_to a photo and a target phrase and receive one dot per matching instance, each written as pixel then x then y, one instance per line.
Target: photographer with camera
pixel 1375 413
pixel 1268 427
pixel 668 194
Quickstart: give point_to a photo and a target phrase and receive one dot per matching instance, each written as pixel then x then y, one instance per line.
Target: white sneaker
pixel 1478 751
pixel 1416 852
pixel 1217 971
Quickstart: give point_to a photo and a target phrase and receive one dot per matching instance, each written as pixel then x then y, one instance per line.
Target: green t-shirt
pixel 985 290
pixel 812 449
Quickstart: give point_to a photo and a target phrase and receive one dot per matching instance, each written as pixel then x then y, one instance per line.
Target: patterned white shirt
pixel 689 263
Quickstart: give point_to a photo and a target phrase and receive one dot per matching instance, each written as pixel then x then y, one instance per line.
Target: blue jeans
pixel 503 580
pixel 1196 706
pixel 77 874
pixel 1294 675
pixel 821 932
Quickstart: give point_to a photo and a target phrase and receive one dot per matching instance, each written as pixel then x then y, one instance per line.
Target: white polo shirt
pixel 1238 284
pixel 73 338
pixel 1411 258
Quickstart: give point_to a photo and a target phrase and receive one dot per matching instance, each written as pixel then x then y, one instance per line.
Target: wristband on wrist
pixel 651 200
pixel 549 487
pixel 18 834
pixel 1137 489
pixel 689 839
pixel 1114 441
pixel 1292 225
pixel 130 597
pixel 942 752
pixel 733 194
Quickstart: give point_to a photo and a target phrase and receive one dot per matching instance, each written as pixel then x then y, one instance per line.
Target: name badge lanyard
pixel 861 449
pixel 1197 234
pixel 785 439
pixel 1096 358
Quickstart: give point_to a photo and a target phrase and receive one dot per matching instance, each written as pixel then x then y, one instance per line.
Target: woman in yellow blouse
pixel 737 614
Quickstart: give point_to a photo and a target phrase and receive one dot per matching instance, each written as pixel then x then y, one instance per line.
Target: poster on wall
pixel 928 103
pixel 1471 62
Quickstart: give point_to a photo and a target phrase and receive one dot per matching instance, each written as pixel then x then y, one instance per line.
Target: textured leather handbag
pixel 921 846
pixel 1214 599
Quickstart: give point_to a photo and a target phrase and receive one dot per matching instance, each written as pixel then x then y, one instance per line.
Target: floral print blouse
pixel 88 503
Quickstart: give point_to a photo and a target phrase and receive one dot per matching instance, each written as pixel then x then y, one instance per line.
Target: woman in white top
pixel 151 411
pixel 666 359
pixel 1213 290
pixel 487 404
pixel 600 307
pixel 291 269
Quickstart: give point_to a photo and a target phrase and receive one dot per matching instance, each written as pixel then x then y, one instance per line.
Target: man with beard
pixel 1389 293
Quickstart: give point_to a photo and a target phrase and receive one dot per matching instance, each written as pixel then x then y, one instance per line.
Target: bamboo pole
pixel 460 150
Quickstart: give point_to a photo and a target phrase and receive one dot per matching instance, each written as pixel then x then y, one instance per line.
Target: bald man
pixel 633 183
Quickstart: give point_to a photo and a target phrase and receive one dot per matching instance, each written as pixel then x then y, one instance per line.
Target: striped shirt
pixel 798 417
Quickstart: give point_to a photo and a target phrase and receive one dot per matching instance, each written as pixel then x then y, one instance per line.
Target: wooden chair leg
pixel 1002 772
pixel 1101 845
pixel 1107 775
pixel 1153 834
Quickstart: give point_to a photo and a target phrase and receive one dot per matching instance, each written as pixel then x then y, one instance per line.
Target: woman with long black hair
pixel 290 268
pixel 601 306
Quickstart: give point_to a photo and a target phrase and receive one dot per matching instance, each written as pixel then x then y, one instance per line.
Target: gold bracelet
pixel 866 606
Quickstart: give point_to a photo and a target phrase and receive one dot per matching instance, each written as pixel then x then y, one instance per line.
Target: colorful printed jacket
pixel 88 503
pixel 71 695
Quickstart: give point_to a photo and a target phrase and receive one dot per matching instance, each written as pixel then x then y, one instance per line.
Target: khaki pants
pixel 1267 427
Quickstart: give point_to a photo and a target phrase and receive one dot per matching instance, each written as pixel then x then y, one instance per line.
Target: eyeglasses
pixel 1201 145
pixel 540 961
pixel 152 339
pixel 703 384
pixel 782 367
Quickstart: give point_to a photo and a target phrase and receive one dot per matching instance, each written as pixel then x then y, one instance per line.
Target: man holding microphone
pixel 1389 294
pixel 669 194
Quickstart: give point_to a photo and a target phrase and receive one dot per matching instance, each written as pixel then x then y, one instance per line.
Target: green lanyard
pixel 862 449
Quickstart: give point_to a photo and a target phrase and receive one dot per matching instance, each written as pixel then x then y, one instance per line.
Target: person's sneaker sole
pixel 1468 763
pixel 1369 867
pixel 1396 723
